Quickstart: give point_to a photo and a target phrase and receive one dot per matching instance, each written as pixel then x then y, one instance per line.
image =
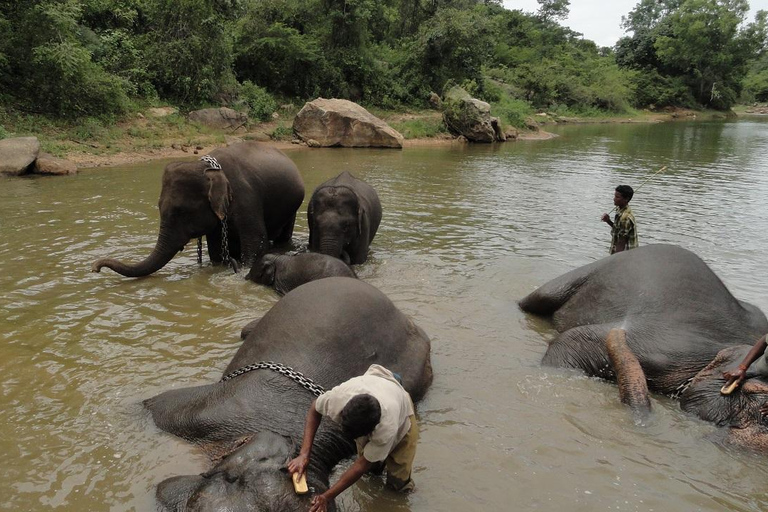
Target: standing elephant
pixel 246 194
pixel 658 318
pixel 343 214
pixel 330 330
pixel 284 272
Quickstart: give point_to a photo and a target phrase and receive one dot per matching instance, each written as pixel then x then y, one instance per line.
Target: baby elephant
pixel 284 272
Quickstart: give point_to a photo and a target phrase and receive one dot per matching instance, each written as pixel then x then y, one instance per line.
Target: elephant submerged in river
pixel 658 318
pixel 284 272
pixel 344 214
pixel 239 197
pixel 250 425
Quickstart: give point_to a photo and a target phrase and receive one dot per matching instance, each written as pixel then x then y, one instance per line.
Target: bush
pixel 260 103
pixel 511 111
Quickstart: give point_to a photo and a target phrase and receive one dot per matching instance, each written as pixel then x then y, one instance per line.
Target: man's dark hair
pixel 626 191
pixel 360 416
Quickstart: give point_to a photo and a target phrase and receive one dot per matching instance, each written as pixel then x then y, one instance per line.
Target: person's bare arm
pixel 349 477
pixel 311 424
pixel 737 376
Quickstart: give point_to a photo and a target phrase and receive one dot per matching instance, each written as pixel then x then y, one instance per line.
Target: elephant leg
pixel 633 388
pixel 286 232
pixel 582 348
pixel 214 246
pixel 253 242
pixel 550 297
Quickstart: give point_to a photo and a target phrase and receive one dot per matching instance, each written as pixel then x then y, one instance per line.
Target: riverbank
pixel 165 134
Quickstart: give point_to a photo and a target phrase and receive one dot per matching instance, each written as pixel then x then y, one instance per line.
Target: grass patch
pixel 420 128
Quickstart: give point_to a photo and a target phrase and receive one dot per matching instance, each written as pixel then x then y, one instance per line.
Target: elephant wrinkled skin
pixel 343 215
pixel 256 193
pixel 284 272
pixel 681 324
pixel 250 425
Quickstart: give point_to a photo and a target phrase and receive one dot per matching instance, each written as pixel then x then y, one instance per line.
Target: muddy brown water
pixel 467 231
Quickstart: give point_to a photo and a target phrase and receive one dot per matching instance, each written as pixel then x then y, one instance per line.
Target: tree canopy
pixel 77 58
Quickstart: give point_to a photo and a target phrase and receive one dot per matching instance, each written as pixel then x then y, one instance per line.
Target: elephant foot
pixel 633 388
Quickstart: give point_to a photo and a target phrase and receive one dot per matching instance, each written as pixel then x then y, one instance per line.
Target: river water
pixel 467 231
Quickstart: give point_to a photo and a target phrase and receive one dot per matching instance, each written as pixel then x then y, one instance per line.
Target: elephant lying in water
pixel 284 272
pixel 674 327
pixel 254 195
pixel 251 424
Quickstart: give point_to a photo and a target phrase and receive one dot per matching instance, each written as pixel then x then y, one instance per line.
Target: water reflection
pixel 466 232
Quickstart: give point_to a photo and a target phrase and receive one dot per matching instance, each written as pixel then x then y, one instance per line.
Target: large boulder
pixel 468 116
pixel 335 122
pixel 18 154
pixel 220 118
pixel 50 165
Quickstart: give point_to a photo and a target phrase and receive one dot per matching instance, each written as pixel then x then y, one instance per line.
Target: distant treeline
pixel 78 58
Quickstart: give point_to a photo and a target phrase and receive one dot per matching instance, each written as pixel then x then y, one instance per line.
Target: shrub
pixel 260 103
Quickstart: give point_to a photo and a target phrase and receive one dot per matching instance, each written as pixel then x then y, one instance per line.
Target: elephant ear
pixel 219 192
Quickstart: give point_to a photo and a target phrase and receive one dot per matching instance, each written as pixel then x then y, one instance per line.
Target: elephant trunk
pixel 633 389
pixel 165 249
pixel 331 246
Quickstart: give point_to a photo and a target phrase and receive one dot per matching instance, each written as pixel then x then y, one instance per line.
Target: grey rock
pixel 467 116
pixel 53 166
pixel 221 118
pixel 336 122
pixel 18 154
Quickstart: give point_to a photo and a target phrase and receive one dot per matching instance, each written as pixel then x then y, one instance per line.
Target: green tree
pixel 49 63
pixel 188 49
pixel 701 43
pixel 554 9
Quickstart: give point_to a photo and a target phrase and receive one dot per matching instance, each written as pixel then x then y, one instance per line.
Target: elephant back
pixel 333 329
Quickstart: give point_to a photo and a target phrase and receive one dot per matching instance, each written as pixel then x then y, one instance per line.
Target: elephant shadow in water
pixel 330 330
pixel 657 318
pixel 242 199
pixel 284 272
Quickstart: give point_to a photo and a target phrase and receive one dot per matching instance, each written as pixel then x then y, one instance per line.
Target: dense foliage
pixel 690 52
pixel 84 58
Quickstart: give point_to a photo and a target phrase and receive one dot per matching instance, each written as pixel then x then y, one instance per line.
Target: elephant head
pixel 263 270
pixel 740 410
pixel 193 202
pixel 253 477
pixel 338 222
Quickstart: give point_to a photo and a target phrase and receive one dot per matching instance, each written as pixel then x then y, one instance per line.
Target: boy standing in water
pixel 623 226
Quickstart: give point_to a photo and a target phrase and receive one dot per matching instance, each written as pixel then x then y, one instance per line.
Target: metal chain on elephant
pixel 225 242
pixel 289 372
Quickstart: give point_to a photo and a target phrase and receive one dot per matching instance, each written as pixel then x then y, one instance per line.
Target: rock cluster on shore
pixel 21 155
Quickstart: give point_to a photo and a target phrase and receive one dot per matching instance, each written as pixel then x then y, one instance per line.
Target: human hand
pixel 733 379
pixel 299 464
pixel 605 218
pixel 319 503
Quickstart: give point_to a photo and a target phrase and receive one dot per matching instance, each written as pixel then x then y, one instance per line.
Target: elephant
pixel 658 319
pixel 285 272
pixel 246 194
pixel 343 215
pixel 251 422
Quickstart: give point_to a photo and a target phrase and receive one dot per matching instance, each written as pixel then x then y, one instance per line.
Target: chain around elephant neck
pixel 212 163
pixel 289 372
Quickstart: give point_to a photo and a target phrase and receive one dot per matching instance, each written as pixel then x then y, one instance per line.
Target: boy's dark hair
pixel 626 191
pixel 360 416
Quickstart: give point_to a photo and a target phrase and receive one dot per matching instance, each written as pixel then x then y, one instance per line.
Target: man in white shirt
pixel 378 414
